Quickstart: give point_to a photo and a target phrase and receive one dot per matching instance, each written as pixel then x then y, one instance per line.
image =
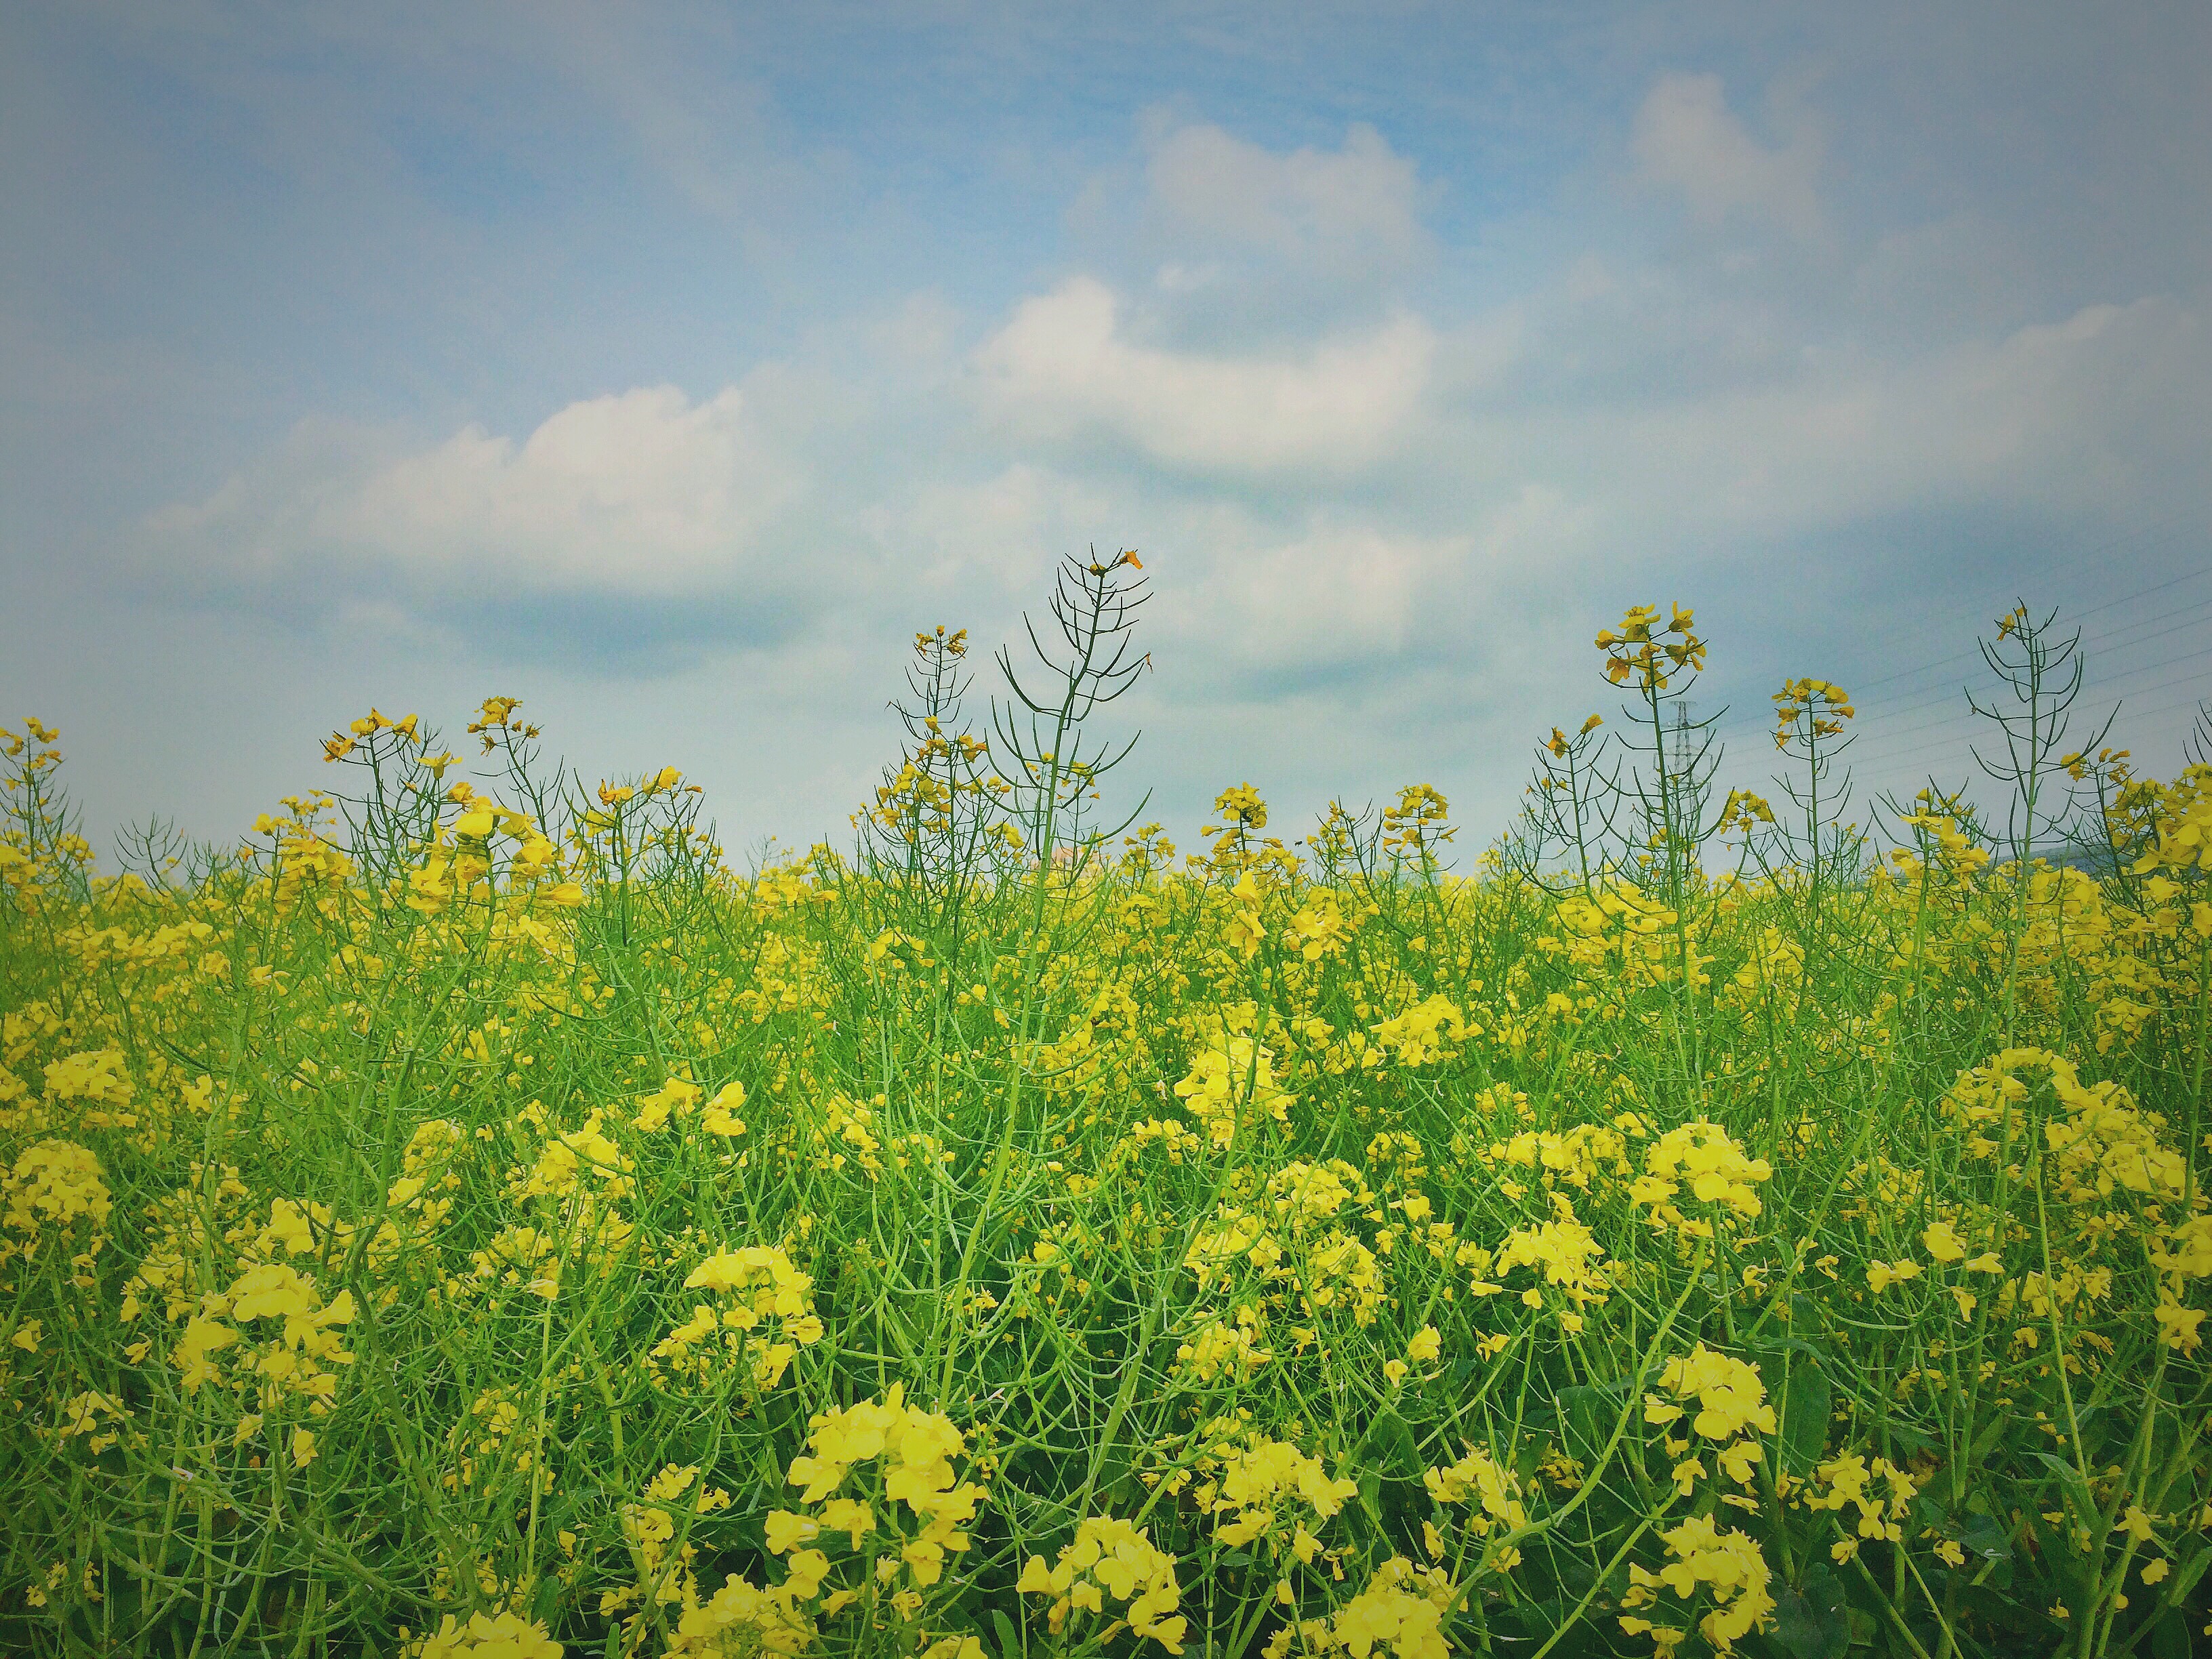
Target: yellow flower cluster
pixel 1218 1348
pixel 1401 1609
pixel 503 1635
pixel 1425 1032
pixel 740 1620
pixel 1576 1157
pixel 1492 1493
pixel 1292 1256
pixel 1415 825
pixel 582 1154
pixel 2183 834
pixel 1642 647
pixel 761 1284
pixel 378 1227
pixel 289 1360
pixel 1110 1557
pixel 911 1452
pixel 1822 708
pixel 1616 920
pixel 1230 1088
pixel 1732 1411
pixel 1706 1159
pixel 1565 1252
pixel 51 1184
pixel 1851 1481
pixel 1319 927
pixel 1728 1567
pixel 1262 1478
pixel 656 1527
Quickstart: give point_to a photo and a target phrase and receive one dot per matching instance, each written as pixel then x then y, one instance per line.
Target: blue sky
pixel 668 367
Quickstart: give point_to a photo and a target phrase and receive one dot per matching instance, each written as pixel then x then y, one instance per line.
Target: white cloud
pixel 1342 592
pixel 1009 528
pixel 1339 525
pixel 641 492
pixel 1686 137
pixel 2074 416
pixel 1063 366
pixel 1354 211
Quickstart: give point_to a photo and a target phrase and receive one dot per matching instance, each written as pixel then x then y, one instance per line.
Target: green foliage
pixel 470 1214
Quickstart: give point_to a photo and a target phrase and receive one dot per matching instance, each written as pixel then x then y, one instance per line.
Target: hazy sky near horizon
pixel 667 366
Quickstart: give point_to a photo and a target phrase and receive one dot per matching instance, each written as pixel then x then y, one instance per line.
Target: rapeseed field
pixel 471 1218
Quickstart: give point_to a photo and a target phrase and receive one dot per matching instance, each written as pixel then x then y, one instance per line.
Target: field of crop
pixel 471 1218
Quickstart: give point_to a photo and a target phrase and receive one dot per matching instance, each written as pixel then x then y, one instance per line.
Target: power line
pixel 1880 738
pixel 1967 735
pixel 2102 687
pixel 2111 638
pixel 2115 638
pixel 2086 553
pixel 2168 707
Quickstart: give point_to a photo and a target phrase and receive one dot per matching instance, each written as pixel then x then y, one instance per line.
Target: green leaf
pixel 1389 1450
pixel 1370 1493
pixel 1987 1441
pixel 2079 1498
pixel 1987 1537
pixel 1806 1403
pixel 1590 1411
pixel 1796 1345
pixel 1009 1641
pixel 1539 1620
pixel 1815 1623
pixel 2185 1575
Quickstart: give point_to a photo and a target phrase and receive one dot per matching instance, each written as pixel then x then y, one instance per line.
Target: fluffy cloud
pixel 1353 212
pixel 1064 367
pixel 1006 529
pixel 644 490
pixel 2076 417
pixel 643 493
pixel 1334 518
pixel 1337 593
pixel 1686 138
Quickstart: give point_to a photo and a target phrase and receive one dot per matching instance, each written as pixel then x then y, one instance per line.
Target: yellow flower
pixel 1425 1032
pixel 787 1531
pixel 503 1635
pixel 1479 1479
pixel 1731 1394
pixel 720 1116
pixel 1110 1557
pixel 1941 1242
pixel 1729 1567
pixel 1232 1085
pixel 1244 931
pixel 202 1338
pixel 1401 1609
pixel 1265 1474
